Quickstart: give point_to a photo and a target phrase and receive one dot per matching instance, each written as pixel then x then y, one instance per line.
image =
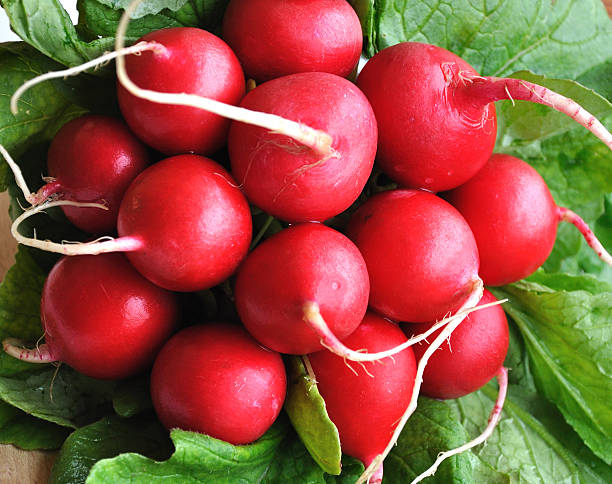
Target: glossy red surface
pixel 274 39
pixel 215 379
pixel 288 180
pixel 420 253
pixel 366 408
pixel 101 317
pixel 307 262
pixel 512 215
pixel 95 158
pixel 195 62
pixel 194 222
pixel 428 138
pixel 470 358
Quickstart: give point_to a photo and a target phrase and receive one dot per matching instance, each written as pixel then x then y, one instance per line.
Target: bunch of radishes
pixel 302 145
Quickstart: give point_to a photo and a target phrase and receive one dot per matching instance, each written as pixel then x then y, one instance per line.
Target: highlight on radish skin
pixel 274 39
pixel 183 223
pixel 116 329
pixel 449 121
pixel 514 219
pixel 376 394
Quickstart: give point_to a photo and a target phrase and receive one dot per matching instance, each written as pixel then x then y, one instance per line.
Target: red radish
pixel 289 181
pixel 101 317
pixel 420 253
pixel 435 114
pixel 274 39
pixel 514 219
pixel 366 403
pixel 188 60
pixel 183 223
pixel 470 358
pixel 215 379
pixel 304 263
pixel 93 159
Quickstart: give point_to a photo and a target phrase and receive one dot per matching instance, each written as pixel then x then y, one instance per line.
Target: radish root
pixel 317 140
pixel 99 246
pixel 566 215
pixel 502 379
pixel 73 71
pixel 312 316
pixel 475 296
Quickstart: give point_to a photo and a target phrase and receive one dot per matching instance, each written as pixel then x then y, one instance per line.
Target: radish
pixel 289 182
pixel 215 379
pixel 101 317
pixel 514 219
pixel 274 39
pixel 188 60
pixel 435 114
pixel 470 358
pixel 92 159
pixel 302 264
pixel 367 402
pixel 420 253
pixel 183 223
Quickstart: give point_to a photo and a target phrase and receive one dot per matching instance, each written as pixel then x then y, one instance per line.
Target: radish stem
pixel 566 215
pixel 40 354
pixel 489 89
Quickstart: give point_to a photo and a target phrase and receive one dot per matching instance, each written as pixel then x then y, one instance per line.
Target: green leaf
pixel 308 414
pixel 64 397
pixel 28 433
pixel 97 18
pixel 433 428
pixel 528 122
pixel 567 326
pixel 503 36
pixel 531 443
pixel 132 397
pixel 146 7
pixel 108 438
pixel 40 107
pixel 276 457
pixel 48 27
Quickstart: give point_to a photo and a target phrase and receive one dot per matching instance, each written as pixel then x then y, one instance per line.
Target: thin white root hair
pixel 312 316
pixel 73 71
pixel 19 179
pixel 502 378
pixel 317 140
pixel 472 301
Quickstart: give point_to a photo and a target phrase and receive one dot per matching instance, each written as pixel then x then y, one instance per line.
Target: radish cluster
pixel 301 147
